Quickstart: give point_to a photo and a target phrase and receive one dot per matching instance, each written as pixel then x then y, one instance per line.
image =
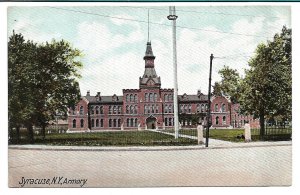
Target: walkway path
pixel 212 142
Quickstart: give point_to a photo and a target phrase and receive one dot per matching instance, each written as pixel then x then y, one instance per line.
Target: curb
pixel 119 149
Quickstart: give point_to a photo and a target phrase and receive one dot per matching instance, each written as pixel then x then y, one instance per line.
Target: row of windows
pixel 131 109
pixel 223 120
pixel 131 98
pixel 168 97
pixel 168 109
pixel 222 109
pixel 185 108
pixel 150 97
pixel 96 110
pixel 131 122
pixel 81 123
pixel 115 110
pixel 114 123
pixel 150 109
pixel 169 122
pixel 97 123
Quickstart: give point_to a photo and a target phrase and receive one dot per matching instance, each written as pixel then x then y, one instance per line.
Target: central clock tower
pixel 149 79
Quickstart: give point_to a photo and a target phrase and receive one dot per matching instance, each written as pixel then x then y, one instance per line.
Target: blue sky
pixel 114 48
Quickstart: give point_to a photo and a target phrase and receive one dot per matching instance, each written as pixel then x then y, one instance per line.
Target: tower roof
pixel 149 52
pixel 149 79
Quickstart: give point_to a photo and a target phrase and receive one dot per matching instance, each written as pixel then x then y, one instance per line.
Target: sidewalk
pixel 213 144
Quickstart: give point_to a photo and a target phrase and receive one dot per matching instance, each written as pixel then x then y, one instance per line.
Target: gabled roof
pixel 104 99
pixel 192 98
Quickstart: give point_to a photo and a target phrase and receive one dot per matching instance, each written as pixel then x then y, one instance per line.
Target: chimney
pixel 88 93
pixel 98 94
pixel 98 97
pixel 199 92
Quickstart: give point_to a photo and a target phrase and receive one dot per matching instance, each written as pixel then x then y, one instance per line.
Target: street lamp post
pixel 173 17
pixel 208 117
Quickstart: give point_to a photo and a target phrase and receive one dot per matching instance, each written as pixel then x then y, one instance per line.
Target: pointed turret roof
pixel 149 52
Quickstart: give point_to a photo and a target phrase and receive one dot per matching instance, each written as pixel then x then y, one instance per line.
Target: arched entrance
pixel 151 122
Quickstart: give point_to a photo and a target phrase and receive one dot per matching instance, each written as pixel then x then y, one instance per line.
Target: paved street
pixel 261 165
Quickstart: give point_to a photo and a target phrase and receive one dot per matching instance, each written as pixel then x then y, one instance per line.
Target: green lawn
pixel 231 134
pixel 125 138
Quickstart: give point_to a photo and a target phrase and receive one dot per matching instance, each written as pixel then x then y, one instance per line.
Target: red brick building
pixel 150 107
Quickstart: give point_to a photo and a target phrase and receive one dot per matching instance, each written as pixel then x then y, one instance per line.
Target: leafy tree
pixel 42 81
pixel 229 85
pixel 267 87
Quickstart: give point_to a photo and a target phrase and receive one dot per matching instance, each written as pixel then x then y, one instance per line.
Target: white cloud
pixel 31 31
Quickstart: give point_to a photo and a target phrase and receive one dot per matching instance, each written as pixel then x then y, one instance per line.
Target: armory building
pixel 151 107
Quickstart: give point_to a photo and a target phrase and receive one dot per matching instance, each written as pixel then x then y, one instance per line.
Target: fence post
pixel 200 134
pixel 247 132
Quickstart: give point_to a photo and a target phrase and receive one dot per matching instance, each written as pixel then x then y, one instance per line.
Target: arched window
pixel 185 108
pixel 131 98
pixel 120 110
pixel 216 108
pixel 119 122
pixel 135 109
pixel 181 108
pixel 145 109
pixel 131 122
pixel 131 109
pixel 206 107
pixel 170 108
pixel 165 97
pixel 151 97
pixel 81 123
pixel 92 110
pixel 224 120
pixel 198 108
pixel 81 110
pixel 202 108
pixel 217 120
pixel 101 109
pixel 223 108
pixel 127 109
pixel 128 122
pixel 155 97
pixel 156 109
pixel 97 122
pixel 110 109
pixel 166 108
pixel 170 121
pixel 109 123
pixel 135 98
pixel 101 122
pixel 166 121
pixel 146 97
pixel 127 98
pixel 74 123
pixel 115 109
pixel 115 123
pixel 190 108
pixel 93 123
pixel 97 109
pixel 135 122
pixel 170 98
pixel 152 109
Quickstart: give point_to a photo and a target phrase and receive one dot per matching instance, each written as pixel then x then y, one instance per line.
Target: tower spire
pixel 148 26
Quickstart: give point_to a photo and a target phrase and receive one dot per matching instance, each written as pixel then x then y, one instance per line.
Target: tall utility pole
pixel 173 17
pixel 208 117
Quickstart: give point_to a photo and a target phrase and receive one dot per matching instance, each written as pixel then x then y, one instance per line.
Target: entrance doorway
pixel 151 122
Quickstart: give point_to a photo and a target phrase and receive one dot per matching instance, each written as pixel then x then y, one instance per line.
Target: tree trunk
pixel 30 134
pixel 262 125
pixel 18 134
pixel 43 132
